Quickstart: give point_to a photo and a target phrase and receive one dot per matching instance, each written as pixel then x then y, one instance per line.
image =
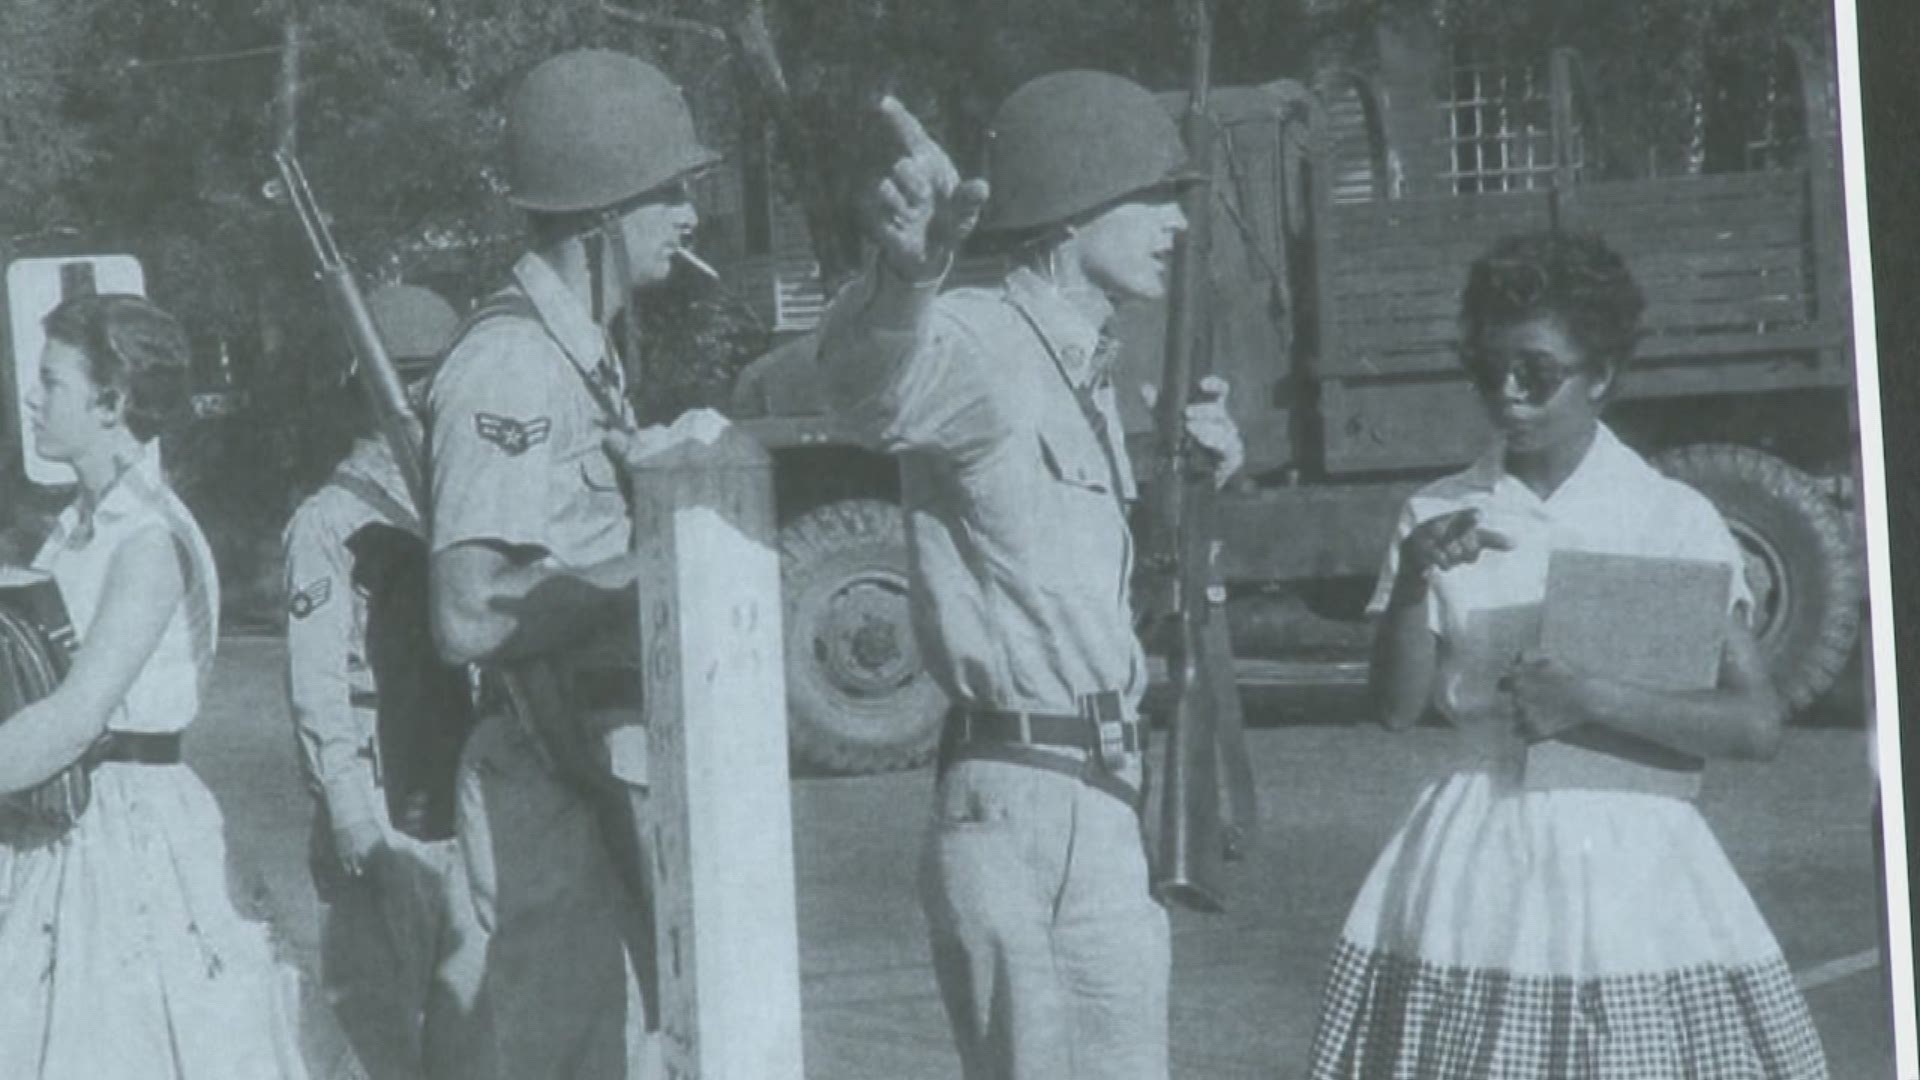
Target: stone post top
pixel 700 439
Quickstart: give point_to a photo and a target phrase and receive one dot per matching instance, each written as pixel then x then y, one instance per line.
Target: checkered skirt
pixel 1581 935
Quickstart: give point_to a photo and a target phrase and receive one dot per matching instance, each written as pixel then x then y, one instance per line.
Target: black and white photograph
pixel 899 539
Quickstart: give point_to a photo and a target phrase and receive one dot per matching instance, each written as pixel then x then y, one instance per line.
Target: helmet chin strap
pixel 607 243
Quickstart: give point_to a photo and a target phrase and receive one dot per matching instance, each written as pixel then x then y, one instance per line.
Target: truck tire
pixel 1803 562
pixel 858 699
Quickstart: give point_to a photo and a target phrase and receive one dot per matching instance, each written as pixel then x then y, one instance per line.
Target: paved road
pixel 1246 984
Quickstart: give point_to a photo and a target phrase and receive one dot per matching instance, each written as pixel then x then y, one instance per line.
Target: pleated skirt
pixel 1585 934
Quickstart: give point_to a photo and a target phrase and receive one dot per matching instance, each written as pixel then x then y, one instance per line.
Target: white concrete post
pixel 721 812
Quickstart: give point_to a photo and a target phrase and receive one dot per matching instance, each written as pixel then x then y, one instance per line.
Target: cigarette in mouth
pixel 697 263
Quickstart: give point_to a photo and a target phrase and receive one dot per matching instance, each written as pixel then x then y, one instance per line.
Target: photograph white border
pixel 1873 498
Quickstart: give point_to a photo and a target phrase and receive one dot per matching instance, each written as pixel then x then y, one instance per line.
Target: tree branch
pixel 752 36
pixel 288 106
pixel 665 22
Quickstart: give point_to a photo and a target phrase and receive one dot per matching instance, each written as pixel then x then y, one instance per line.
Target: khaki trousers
pixel 548 974
pixel 382 936
pixel 1051 954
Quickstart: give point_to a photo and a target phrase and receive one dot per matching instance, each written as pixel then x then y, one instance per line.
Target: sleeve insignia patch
pixel 514 437
pixel 310 599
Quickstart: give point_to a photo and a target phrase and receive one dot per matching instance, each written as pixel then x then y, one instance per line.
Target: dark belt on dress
pixel 1021 738
pixel 138 748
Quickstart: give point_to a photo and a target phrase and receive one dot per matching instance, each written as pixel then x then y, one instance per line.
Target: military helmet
pixel 1067 142
pixel 592 128
pixel 414 324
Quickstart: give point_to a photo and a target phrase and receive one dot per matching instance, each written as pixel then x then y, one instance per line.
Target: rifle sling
pixel 377 499
pixel 602 382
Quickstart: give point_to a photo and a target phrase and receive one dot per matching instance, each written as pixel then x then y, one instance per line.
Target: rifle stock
pixel 1204 745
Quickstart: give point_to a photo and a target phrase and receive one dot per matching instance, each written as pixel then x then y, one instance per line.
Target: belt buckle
pixel 1103 711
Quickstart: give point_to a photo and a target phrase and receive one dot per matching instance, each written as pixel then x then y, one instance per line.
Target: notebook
pixel 34 596
pixel 1659 623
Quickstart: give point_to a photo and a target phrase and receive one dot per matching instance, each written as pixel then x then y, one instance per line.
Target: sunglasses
pixel 680 191
pixel 1539 378
pixel 671 193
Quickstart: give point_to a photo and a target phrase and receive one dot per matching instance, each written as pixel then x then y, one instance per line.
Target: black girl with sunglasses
pixel 1580 921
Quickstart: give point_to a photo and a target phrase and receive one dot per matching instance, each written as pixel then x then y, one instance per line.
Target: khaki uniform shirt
pixel 1020 554
pixel 329 676
pixel 516 417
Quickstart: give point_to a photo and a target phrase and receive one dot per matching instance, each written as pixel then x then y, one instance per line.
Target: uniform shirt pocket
pixel 1073 532
pixel 599 473
pixel 1076 459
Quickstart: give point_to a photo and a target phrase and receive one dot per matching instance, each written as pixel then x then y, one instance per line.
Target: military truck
pixel 1347 215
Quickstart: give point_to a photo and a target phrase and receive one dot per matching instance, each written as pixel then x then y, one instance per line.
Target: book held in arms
pixel 37 643
pixel 32 598
pixel 1658 623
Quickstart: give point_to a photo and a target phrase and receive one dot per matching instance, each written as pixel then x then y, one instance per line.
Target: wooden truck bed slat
pixel 1680 299
pixel 1771 271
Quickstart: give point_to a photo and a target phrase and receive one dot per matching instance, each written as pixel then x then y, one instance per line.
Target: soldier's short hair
pixel 133 348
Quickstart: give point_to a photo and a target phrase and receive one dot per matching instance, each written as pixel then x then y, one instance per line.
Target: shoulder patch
pixel 514 437
pixel 310 599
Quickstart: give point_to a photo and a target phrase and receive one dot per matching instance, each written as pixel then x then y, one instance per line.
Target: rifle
pixel 1205 743
pixel 532 688
pixel 426 710
pixel 398 424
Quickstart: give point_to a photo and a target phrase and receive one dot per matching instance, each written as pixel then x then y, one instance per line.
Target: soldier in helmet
pixel 385 889
pixel 529 424
pixel 1051 954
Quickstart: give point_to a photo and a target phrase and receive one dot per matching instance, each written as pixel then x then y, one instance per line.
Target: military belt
pixel 1038 729
pixel 1023 738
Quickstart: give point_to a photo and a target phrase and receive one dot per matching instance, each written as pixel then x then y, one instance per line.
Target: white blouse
pixel 1613 503
pixel 165 695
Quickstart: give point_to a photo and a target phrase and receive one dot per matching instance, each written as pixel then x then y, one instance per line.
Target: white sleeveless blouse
pixel 165 695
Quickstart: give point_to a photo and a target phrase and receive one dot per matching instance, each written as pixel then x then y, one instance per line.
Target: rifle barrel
pixel 374 368
pixel 1188 864
pixel 307 209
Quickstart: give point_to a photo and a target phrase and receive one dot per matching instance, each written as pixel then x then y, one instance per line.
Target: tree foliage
pixel 144 125
pixel 38 143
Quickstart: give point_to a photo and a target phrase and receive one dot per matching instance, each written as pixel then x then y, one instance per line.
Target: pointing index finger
pixel 904 125
pixel 1494 538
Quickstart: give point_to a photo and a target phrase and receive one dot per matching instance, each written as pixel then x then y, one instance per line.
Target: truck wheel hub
pixel 1766 579
pixel 865 643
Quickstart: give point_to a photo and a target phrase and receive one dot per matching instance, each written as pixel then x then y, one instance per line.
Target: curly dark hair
pixel 1573 276
pixel 133 348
